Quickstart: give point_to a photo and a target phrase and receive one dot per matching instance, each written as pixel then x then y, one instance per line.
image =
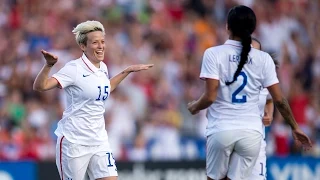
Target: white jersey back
pixel 87 89
pixel 236 106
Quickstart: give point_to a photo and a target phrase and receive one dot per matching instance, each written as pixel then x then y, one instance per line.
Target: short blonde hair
pixel 85 27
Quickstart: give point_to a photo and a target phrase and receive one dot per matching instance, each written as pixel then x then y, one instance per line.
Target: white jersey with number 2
pixel 236 105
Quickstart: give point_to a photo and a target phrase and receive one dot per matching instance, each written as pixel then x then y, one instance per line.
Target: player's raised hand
pixel 302 138
pixel 50 58
pixel 138 67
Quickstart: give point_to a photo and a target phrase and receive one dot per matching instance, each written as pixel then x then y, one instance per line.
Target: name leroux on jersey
pixel 236 58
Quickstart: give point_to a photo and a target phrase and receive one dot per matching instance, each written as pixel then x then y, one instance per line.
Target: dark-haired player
pixel 266 107
pixel 234 74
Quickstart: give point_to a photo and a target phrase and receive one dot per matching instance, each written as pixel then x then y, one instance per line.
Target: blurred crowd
pixel 146 116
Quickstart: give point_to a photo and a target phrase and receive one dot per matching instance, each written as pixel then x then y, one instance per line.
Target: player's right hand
pixel 50 58
pixel 299 136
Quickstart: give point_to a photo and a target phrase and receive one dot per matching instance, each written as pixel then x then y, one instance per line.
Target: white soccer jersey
pixel 87 89
pixel 263 97
pixel 236 106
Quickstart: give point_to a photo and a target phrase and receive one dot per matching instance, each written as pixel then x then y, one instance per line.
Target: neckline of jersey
pixel 233 45
pixel 87 65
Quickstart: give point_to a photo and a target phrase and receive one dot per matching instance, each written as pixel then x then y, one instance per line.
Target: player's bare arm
pixel 42 82
pixel 206 98
pixel 115 81
pixel 268 113
pixel 285 110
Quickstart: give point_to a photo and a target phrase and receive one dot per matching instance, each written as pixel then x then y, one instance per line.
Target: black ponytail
pixel 246 47
pixel 241 23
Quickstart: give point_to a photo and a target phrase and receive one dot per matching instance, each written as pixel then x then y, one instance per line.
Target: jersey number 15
pixel 104 95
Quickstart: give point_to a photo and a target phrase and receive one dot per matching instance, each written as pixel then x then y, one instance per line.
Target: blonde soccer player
pixel 82 148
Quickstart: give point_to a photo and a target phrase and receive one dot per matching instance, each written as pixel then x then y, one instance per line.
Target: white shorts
pixel 79 162
pixel 220 147
pixel 258 171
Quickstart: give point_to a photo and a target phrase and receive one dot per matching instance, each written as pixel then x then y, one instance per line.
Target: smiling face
pixel 95 47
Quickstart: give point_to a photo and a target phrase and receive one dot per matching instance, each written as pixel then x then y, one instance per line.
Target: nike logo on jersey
pixel 86 75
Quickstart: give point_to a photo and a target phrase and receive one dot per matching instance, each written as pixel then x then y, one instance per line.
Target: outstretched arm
pixel 115 81
pixel 42 82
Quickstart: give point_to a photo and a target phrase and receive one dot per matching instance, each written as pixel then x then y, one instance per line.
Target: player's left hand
pixel 191 108
pixel 299 136
pixel 138 67
pixel 267 119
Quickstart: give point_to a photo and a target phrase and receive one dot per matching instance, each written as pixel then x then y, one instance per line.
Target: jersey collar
pixel 234 43
pixel 89 64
